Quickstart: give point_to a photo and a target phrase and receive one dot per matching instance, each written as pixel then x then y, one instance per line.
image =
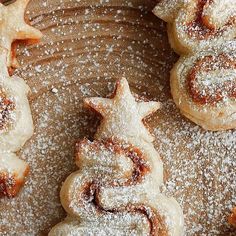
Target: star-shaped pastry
pixel 13 27
pixel 122 115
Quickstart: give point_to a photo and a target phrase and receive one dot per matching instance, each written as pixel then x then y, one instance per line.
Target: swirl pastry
pixel 116 190
pixel 204 87
pixel 14 28
pixel 14 111
pixel 194 25
pixel 16 127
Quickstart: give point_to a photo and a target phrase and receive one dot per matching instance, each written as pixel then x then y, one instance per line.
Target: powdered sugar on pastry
pixel 198 24
pixel 16 127
pixel 12 174
pixel 15 116
pixel 116 189
pixel 204 87
pixel 113 41
pixel 218 13
pixel 167 10
pixel 203 81
pixel 13 27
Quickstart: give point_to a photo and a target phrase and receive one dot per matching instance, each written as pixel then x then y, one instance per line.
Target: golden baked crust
pixel 203 86
pixel 116 190
pixel 16 125
pixel 16 128
pixel 12 174
pixel 81 58
pixel 196 25
pixel 13 27
pixel 203 82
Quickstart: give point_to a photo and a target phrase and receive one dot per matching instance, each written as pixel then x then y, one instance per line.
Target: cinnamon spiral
pixel 116 190
pixel 7 107
pixel 14 114
pixel 105 164
pixel 222 83
pixel 219 13
pixel 203 86
pixel 203 83
pixel 198 24
pixel 16 125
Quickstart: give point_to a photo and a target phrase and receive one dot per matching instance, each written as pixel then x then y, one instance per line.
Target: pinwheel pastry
pixel 203 86
pixel 16 127
pixel 14 28
pixel 116 189
pixel 195 25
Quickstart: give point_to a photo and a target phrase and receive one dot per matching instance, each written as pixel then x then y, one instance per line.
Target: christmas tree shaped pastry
pixel 16 127
pixel 203 82
pixel 13 27
pixel 116 189
pixel 195 25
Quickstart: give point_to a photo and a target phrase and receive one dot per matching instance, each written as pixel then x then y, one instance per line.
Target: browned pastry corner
pixel 10 185
pixel 14 30
pixel 232 217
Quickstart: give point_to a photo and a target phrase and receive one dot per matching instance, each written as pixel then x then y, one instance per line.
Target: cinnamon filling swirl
pixel 7 107
pixel 156 222
pixel 212 79
pixel 90 191
pixel 200 28
pixel 8 185
pixel 141 167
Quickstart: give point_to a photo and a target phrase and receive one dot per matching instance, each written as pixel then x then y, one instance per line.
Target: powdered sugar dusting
pixel 7 114
pixel 91 48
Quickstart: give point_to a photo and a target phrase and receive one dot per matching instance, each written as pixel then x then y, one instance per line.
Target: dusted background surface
pixel 87 45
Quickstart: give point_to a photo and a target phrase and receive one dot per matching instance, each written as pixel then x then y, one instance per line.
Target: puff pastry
pixel 195 25
pixel 16 127
pixel 13 27
pixel 203 86
pixel 12 174
pixel 116 190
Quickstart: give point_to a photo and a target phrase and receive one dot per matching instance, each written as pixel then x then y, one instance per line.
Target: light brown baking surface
pixel 87 45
